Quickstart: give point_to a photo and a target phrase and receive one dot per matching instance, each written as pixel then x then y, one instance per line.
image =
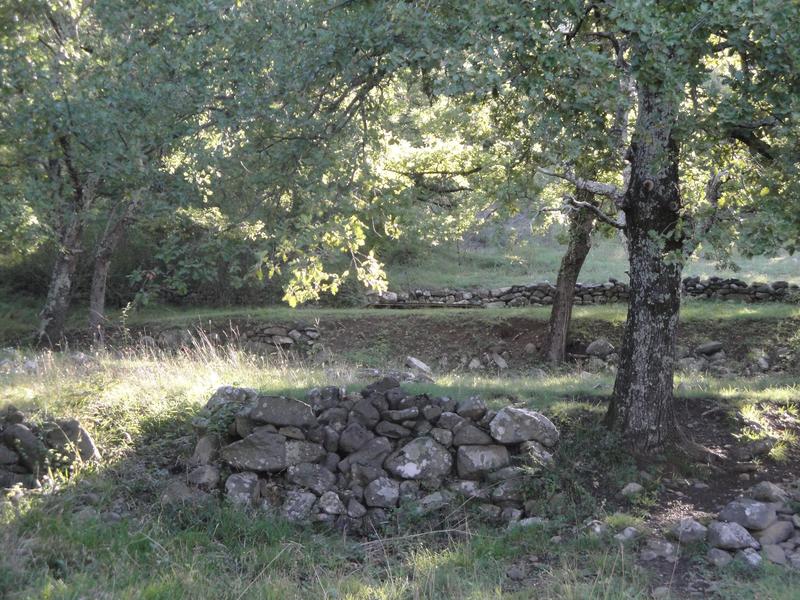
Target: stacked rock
pixel 27 451
pixel 542 293
pixel 763 520
pixel 346 459
pixel 254 336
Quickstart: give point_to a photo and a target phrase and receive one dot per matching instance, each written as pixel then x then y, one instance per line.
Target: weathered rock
pixel 514 425
pixel 688 531
pixel 312 476
pixel 392 430
pixel 767 491
pixel 291 432
pixel 372 453
pixel 774 554
pixel 204 476
pixel 364 412
pixel 709 348
pixel 29 448
pixel 443 436
pixel 749 513
pixel 331 504
pixel 259 451
pixel 778 532
pixel 303 452
pixel 242 488
pixel 659 548
pixel 8 456
pixel 69 438
pixel 298 505
pixel 353 437
pixel 719 558
pixel 469 434
pixel 177 492
pixel 749 557
pixel 415 363
pixel 600 347
pixel 433 502
pixel 536 455
pixel 450 420
pixel 471 408
pixel 469 489
pixel 509 490
pixel 382 492
pixel 627 535
pixel 279 411
pixel 398 416
pixel 422 458
pixel 632 489
pixel 729 536
pixel 473 462
pixel 355 509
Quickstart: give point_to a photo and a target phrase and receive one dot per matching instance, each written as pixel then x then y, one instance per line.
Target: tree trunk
pixel 581 225
pixel 114 230
pixel 54 313
pixel 642 403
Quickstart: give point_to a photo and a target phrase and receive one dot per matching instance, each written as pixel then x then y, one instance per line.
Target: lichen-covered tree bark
pixel 581 225
pixel 642 403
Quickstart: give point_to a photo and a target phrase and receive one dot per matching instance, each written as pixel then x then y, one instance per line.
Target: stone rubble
pixel 346 458
pixel 760 526
pixel 28 450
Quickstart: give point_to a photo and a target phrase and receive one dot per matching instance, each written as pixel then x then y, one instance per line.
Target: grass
pixel 101 532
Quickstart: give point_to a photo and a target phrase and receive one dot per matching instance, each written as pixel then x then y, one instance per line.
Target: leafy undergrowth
pixel 100 532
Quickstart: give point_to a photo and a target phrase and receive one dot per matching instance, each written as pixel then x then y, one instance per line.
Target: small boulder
pixel 600 348
pixel 729 536
pixel 688 531
pixel 298 505
pixel 514 425
pixel 774 554
pixel 718 558
pixel 331 504
pixel 421 458
pixel 749 557
pixel 473 462
pixel 242 488
pixel 312 476
pixel 280 411
pixel 204 476
pixel 708 348
pixel 382 492
pixel 632 489
pixel 259 451
pixel 749 513
pixel 778 532
pixel 471 408
pixel 767 491
pixel 415 363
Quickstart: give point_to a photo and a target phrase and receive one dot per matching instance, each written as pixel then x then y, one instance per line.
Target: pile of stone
pixel 736 289
pixel 542 293
pixel 537 294
pixel 27 451
pixel 254 336
pixel 347 458
pixel 764 521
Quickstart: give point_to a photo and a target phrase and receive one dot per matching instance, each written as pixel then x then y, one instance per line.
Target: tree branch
pixel 594 187
pixel 570 203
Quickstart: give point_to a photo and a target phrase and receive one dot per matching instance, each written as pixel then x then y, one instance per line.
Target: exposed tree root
pixel 699 453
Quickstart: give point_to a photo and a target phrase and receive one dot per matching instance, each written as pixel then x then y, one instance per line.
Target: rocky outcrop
pixel 347 458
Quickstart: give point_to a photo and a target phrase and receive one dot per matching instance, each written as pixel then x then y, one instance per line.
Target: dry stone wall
pixel 541 294
pixel 345 459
